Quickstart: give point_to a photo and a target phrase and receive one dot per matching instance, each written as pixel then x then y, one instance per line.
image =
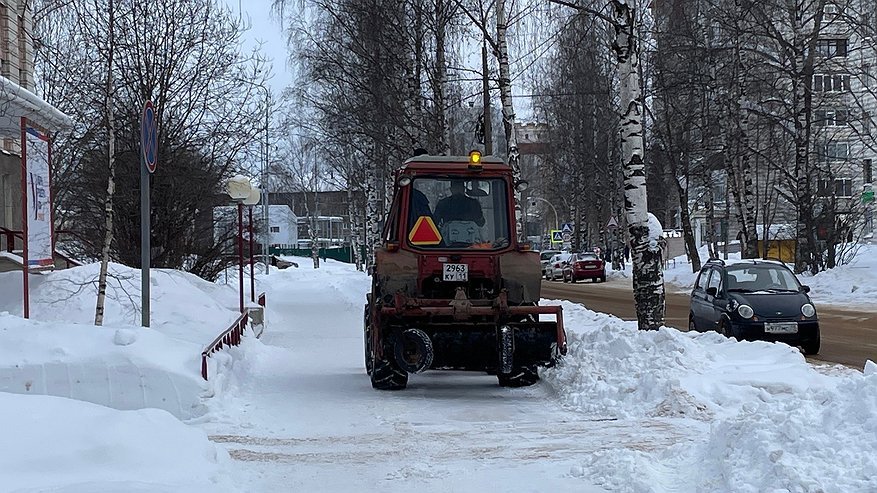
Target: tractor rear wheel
pixel 386 375
pixel 522 376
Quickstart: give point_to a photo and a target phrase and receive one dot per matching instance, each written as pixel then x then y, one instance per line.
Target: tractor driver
pixel 458 206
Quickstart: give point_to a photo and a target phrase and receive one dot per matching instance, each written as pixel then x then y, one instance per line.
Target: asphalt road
pixel 849 337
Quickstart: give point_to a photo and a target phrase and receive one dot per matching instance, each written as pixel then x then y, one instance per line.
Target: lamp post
pixel 239 189
pixel 250 201
pixel 556 222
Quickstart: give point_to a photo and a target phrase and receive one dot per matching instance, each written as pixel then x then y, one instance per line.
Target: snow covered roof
pixel 19 102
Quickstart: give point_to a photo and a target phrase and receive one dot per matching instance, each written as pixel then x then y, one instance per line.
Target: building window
pixel 836 151
pixel 831 82
pixel 866 171
pixel 839 187
pixel 831 117
pixel 830 48
pixel 275 229
pixel 22 53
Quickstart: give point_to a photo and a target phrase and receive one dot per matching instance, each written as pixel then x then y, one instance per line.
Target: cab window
pixel 468 213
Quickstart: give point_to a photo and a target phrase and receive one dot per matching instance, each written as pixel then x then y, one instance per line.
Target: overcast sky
pixel 266 28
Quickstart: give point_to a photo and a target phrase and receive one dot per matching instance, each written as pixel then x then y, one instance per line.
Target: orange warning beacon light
pixel 424 232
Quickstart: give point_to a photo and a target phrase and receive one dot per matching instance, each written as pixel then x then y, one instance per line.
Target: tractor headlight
pixel 808 310
pixel 745 311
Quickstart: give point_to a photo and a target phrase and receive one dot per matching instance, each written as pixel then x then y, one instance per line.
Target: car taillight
pixel 556 266
pixel 580 265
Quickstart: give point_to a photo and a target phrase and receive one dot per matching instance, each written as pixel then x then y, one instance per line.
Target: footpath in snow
pixel 628 411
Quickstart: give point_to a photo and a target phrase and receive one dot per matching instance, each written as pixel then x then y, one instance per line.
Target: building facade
pixel 17 100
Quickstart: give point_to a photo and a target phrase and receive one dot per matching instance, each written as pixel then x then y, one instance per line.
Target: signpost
pixel 36 179
pixel 148 162
pixel 556 236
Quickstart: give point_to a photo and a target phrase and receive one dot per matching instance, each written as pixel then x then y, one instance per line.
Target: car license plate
pixel 456 272
pixel 781 327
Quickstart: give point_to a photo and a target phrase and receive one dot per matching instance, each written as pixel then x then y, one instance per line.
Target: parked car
pixel 584 266
pixel 554 269
pixel 545 257
pixel 754 300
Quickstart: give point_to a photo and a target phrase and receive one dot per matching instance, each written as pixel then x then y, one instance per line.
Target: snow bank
pixel 182 305
pixel 65 446
pixel 773 422
pixel 130 368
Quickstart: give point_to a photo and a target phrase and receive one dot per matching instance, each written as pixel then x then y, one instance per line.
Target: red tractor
pixel 452 288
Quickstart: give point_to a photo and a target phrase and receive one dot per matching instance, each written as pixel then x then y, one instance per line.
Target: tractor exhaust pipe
pixel 413 351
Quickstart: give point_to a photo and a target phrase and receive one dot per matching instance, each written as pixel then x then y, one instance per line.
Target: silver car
pixel 554 269
pixel 545 257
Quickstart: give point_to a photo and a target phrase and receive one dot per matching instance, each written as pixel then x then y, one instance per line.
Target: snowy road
pixel 628 411
pixel 304 416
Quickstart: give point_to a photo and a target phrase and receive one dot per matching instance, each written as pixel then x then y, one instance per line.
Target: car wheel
pixel 724 329
pixel 565 279
pixel 692 327
pixel 812 347
pixel 572 279
pixel 603 279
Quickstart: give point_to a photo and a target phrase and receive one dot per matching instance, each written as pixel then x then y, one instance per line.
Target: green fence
pixel 343 254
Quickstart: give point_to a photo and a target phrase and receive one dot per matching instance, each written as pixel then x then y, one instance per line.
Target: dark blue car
pixel 754 300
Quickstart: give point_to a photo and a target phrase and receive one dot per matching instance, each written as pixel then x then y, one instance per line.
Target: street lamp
pixel 239 188
pixel 250 201
pixel 556 222
pixel 264 172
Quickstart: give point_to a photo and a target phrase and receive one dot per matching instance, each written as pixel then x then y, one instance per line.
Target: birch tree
pixel 646 256
pixel 111 160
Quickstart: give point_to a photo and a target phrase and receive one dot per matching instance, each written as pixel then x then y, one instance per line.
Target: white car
pixel 545 257
pixel 554 269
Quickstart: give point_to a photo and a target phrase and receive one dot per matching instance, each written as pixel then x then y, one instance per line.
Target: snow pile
pixel 656 231
pixel 65 446
pixel 130 368
pixel 774 422
pixel 182 305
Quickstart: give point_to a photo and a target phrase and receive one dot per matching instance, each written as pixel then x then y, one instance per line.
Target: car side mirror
pixel 805 288
pixel 712 291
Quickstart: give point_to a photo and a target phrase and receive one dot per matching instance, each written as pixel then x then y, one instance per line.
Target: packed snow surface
pixel 626 410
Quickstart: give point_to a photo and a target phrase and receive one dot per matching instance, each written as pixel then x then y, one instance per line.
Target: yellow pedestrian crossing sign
pixel 556 236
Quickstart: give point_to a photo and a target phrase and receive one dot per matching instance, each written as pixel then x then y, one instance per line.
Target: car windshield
pixel 587 256
pixel 458 213
pixel 761 277
pixel 547 255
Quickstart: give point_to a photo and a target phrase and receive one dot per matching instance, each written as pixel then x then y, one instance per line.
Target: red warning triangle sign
pixel 424 232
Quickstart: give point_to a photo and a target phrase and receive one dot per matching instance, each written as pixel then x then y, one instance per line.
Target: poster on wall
pixel 38 208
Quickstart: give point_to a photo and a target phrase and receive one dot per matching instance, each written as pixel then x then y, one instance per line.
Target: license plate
pixel 455 272
pixel 781 327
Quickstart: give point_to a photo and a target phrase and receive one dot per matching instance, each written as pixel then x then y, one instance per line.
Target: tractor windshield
pixel 458 213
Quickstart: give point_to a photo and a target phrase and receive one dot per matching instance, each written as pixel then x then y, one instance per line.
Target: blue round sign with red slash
pixel 149 137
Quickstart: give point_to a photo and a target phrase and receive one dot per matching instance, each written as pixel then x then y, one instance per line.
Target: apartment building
pixel 18 100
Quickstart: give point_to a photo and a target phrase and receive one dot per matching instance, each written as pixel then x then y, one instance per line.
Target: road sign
pixel 556 236
pixel 567 227
pixel 612 223
pixel 149 137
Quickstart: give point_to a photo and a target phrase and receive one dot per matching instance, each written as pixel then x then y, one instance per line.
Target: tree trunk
pixel 687 233
pixel 111 180
pixel 508 109
pixel 648 276
pixel 441 79
pixel 802 85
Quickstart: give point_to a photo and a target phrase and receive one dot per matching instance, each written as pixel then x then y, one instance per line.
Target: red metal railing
pixel 230 337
